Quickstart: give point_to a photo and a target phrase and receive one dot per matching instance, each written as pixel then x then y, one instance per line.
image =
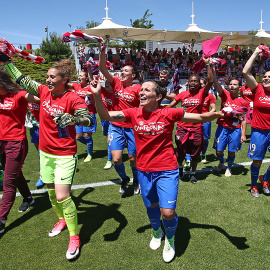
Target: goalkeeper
pixel 60 111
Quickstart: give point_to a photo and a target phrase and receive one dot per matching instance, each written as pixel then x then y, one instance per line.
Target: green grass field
pixel 221 226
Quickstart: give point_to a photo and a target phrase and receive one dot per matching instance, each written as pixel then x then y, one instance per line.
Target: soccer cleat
pixel 58 228
pixel 203 160
pixel 192 179
pixel 220 166
pixel 88 158
pixel 155 242
pixel 108 165
pixel 2 227
pixel 228 172
pixel 73 247
pixel 254 192
pixel 169 250
pixel 123 187
pixel 26 204
pixel 39 183
pixel 181 172
pixel 265 185
pixel 136 187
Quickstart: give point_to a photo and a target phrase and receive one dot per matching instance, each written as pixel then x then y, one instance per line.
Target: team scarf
pixel 265 51
pixel 94 64
pixel 10 50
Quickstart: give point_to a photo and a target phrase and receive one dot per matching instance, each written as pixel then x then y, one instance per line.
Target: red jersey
pixel 153 137
pixel 247 93
pixel 50 140
pixel 34 109
pixel 124 98
pixel 210 99
pixel 228 101
pixel 193 103
pixel 13 108
pixel 82 93
pixel 107 99
pixel 261 108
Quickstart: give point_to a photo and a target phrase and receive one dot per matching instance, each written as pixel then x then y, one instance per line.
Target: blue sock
pixel 254 171
pixel 135 173
pixel 266 176
pixel 154 217
pixel 230 161
pixel 109 153
pixel 188 157
pixel 82 140
pixel 120 169
pixel 38 151
pixel 170 226
pixel 221 158
pixel 89 145
pixel 205 147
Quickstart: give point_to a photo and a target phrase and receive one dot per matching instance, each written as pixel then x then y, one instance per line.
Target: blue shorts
pixel 227 136
pixel 159 187
pixel 92 129
pixel 119 137
pixel 34 132
pixel 206 130
pixel 259 142
pixel 105 127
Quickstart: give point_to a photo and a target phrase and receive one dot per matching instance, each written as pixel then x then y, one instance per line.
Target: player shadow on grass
pixel 42 204
pixel 182 236
pixel 92 216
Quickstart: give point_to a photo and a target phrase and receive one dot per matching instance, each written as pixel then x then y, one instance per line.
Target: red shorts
pixel 188 141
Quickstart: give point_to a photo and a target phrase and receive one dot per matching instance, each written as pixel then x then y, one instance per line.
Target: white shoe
pixel 88 158
pixel 228 172
pixel 220 166
pixel 169 250
pixel 155 242
pixel 136 188
pixel 108 165
pixel 73 248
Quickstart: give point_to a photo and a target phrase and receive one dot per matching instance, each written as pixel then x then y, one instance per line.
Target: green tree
pixel 144 22
pixel 252 33
pixel 52 49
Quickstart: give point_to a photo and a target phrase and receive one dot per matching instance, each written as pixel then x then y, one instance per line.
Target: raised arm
pixel 102 65
pixel 25 82
pixel 216 83
pixel 209 84
pixel 115 116
pixel 250 80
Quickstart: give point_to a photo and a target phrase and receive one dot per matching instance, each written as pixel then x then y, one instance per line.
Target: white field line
pixel 116 182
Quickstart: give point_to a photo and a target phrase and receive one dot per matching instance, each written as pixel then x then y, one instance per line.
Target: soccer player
pixel 209 102
pixel 157 165
pixel 125 95
pixel 60 110
pixel 231 131
pixel 260 124
pixel 84 134
pixel 13 145
pixel 189 136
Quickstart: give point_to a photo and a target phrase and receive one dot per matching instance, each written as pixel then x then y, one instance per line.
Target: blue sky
pixel 24 21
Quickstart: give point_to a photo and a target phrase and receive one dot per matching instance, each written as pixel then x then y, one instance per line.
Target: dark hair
pixel 160 89
pixel 138 73
pixel 234 78
pixel 9 85
pixel 165 72
pixel 199 78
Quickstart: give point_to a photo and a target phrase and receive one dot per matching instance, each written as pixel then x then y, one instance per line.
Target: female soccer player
pixel 260 124
pixel 125 95
pixel 189 136
pixel 231 131
pixel 13 144
pixel 157 165
pixel 83 90
pixel 60 110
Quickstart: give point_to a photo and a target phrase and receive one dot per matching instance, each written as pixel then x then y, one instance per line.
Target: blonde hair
pixel 65 68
